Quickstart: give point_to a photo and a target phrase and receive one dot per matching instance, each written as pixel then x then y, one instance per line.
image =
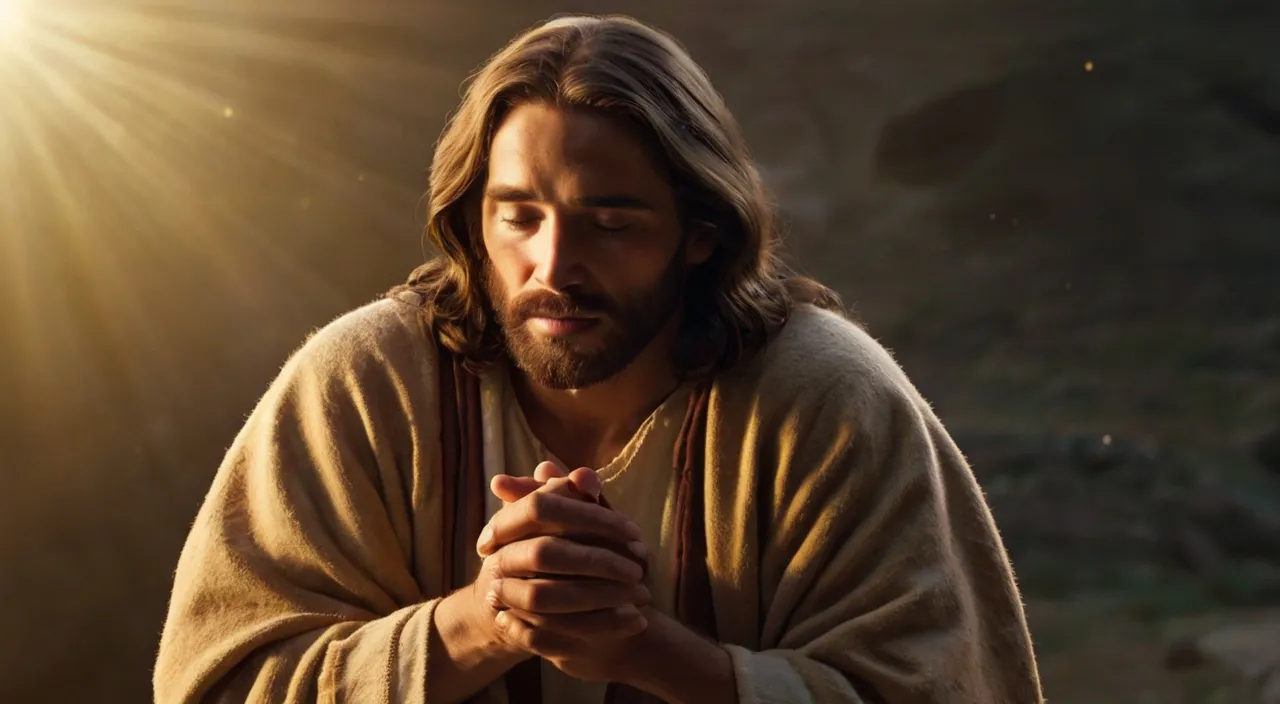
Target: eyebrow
pixel 620 201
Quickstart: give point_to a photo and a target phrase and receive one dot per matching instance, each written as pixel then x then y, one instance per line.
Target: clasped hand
pixel 562 575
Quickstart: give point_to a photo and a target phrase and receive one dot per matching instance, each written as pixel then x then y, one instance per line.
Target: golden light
pixel 150 148
pixel 11 18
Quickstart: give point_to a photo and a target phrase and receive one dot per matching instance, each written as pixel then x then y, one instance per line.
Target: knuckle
pixel 499 587
pixel 623 569
pixel 560 485
pixel 612 565
pixel 590 560
pixel 496 564
pixel 534 507
pixel 538 597
pixel 626 620
pixel 615 567
pixel 613 524
pixel 522 635
pixel 540 640
pixel 539 507
pixel 635 626
pixel 514 630
pixel 540 552
pixel 600 561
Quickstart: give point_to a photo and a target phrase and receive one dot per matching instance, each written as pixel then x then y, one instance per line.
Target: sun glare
pixel 134 137
pixel 10 17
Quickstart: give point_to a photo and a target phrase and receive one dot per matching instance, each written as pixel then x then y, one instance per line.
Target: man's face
pixel 587 259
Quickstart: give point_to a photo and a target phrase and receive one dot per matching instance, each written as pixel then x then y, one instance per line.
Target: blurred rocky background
pixel 1063 217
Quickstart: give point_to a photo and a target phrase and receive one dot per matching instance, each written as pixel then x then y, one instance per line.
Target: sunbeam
pixel 11 18
pixel 167 170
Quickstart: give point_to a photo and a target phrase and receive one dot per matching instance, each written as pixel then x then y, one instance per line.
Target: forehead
pixel 551 149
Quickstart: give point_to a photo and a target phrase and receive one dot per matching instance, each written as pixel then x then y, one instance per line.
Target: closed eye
pixel 520 223
pixel 612 221
pixel 613 228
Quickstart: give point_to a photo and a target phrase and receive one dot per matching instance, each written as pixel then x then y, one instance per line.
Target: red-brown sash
pixel 463 498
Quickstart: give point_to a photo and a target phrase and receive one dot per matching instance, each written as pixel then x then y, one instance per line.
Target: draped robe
pixel 833 539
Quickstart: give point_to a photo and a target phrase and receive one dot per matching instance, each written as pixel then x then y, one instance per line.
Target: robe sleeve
pixel 882 575
pixel 296 581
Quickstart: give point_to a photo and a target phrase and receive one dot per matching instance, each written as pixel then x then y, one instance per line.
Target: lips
pixel 561 327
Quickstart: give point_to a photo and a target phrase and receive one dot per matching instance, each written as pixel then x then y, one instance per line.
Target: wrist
pixel 677 665
pixel 464 654
pixel 466 625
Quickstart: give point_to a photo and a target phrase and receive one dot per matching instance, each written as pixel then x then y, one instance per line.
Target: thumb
pixel 511 489
pixel 588 482
pixel 546 471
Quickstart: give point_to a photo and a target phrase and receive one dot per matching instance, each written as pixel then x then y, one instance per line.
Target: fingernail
pixel 503 618
pixel 638 549
pixel 632 529
pixel 486 537
pixel 492 596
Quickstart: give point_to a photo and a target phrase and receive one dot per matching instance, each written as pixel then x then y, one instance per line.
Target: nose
pixel 557 255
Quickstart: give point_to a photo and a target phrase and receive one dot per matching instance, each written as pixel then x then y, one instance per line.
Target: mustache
pixel 548 305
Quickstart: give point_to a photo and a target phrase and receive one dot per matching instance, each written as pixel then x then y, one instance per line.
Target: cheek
pixel 508 260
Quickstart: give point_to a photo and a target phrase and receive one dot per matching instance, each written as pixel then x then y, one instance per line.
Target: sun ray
pixel 173 167
pixel 12 18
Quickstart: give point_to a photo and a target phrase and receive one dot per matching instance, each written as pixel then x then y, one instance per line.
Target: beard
pixel 626 327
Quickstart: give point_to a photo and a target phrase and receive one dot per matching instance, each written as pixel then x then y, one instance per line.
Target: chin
pixel 555 368
pixel 560 380
pixel 570 351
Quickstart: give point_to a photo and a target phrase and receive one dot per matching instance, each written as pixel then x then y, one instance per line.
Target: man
pixel 761 507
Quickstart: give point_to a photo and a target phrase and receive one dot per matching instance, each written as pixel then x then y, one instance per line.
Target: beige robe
pixel 851 554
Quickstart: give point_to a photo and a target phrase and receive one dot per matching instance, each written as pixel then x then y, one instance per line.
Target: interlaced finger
pixel 562 596
pixel 555 510
pixel 551 556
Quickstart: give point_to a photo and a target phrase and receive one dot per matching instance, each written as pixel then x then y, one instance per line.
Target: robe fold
pixel 848 553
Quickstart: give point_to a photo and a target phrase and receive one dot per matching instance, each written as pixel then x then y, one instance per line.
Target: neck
pixel 589 427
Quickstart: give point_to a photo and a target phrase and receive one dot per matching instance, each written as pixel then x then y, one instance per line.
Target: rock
pixel 939 140
pixel 1247 106
pixel 998 454
pixel 1246 526
pixel 1201 553
pixel 1058 498
pixel 1267 450
pixel 1249 650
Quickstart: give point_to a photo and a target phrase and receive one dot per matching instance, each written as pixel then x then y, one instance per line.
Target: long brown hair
pixel 621 67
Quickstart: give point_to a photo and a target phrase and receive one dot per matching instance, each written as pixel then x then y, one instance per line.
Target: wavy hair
pixel 617 66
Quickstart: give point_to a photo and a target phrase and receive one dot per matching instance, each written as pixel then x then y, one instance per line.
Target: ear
pixel 701 243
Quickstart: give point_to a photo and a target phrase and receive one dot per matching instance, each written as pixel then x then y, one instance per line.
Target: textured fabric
pixel 850 556
pixel 464 484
